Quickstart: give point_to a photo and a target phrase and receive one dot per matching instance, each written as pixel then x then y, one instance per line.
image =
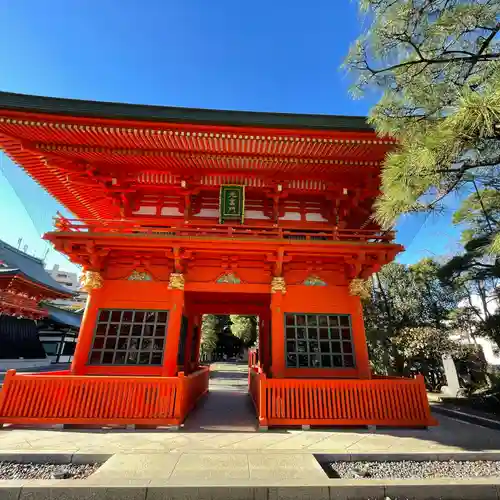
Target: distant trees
pixel 407 318
pixel 208 333
pixel 413 313
pixel 244 328
pixel 227 335
pixel 475 273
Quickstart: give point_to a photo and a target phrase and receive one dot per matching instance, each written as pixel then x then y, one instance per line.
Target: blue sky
pixel 261 55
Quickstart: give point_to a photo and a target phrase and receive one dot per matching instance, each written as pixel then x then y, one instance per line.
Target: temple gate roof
pixel 92 155
pixel 15 263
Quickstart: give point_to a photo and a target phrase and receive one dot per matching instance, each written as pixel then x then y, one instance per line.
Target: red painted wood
pixel 79 175
pixel 67 399
pixel 326 402
pixel 156 226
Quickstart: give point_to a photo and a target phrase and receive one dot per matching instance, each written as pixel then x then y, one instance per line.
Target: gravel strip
pixel 415 470
pixel 12 470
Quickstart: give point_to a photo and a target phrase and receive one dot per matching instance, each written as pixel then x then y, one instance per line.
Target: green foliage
pixel 405 296
pixel 407 318
pixel 426 343
pixel 208 333
pixel 480 213
pixel 413 309
pixel 244 328
pixel 227 334
pixel 436 63
pixel 475 273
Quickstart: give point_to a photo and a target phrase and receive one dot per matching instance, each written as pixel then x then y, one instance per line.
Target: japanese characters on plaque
pixel 232 203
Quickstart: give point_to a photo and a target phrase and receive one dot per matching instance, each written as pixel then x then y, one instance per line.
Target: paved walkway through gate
pixel 227 406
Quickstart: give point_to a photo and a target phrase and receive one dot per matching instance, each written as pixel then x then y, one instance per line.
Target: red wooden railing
pixel 320 402
pixel 253 361
pixel 96 400
pixel 194 229
pixel 55 372
pixel 254 369
pixel 194 386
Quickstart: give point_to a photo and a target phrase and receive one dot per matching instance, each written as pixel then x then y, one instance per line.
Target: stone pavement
pixel 227 406
pixel 449 436
pixel 210 468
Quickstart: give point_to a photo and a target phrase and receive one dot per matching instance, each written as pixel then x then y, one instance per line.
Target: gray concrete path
pixel 210 468
pixel 227 407
pixel 38 369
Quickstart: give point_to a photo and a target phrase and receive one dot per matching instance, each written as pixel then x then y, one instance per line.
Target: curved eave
pixel 63 316
pixel 78 200
pixel 62 143
pixel 49 292
pixel 141 112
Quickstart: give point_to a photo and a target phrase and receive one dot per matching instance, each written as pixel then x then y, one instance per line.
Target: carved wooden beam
pixel 179 257
pixel 278 259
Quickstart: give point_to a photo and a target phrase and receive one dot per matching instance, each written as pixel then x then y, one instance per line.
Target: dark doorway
pixel 235 319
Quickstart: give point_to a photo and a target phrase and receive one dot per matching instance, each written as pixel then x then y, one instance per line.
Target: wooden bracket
pixel 279 259
pixel 179 256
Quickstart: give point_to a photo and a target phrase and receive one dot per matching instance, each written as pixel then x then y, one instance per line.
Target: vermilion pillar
pixel 278 289
pixel 359 339
pixel 264 333
pixel 92 282
pixel 188 344
pixel 174 325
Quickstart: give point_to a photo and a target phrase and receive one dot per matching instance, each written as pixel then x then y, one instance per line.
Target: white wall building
pixel 71 281
pixel 489 349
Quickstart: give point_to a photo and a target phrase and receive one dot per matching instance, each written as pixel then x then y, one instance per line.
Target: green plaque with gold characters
pixel 232 203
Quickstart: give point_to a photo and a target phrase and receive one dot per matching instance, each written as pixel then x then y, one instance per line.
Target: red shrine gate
pixel 183 212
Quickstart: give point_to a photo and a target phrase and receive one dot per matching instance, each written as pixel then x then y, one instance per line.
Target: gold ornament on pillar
pixel 278 284
pixel 90 280
pixel 176 281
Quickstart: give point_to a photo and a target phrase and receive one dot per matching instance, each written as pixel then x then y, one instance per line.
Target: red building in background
pixel 182 212
pixel 24 283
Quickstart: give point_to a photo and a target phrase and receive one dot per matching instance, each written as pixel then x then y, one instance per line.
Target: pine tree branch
pixel 492 162
pixel 468 56
pixel 445 194
pixel 459 52
pixel 475 59
pixel 483 47
pixel 480 264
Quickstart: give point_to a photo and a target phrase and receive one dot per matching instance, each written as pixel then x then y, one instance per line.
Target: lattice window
pixel 126 337
pixel 319 341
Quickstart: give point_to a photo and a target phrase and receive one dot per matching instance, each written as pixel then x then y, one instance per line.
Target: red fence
pixel 390 402
pixel 254 383
pixel 67 399
pixel 155 226
pixel 193 387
